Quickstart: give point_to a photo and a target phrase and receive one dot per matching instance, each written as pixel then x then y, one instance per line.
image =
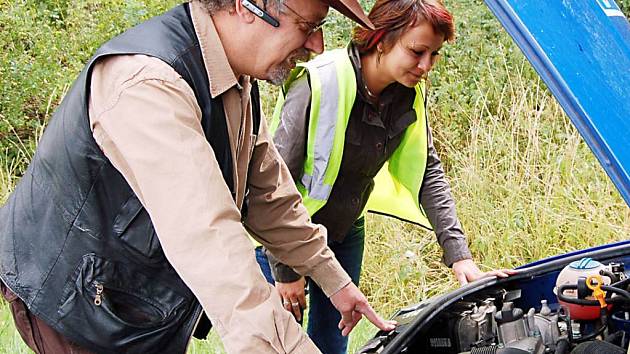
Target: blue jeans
pixel 323 318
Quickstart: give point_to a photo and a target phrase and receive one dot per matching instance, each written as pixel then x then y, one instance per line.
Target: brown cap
pixel 352 10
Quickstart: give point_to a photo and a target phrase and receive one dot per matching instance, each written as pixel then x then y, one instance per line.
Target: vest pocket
pixel 112 304
pixel 125 306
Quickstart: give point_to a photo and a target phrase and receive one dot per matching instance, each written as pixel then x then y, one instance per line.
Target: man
pixel 133 213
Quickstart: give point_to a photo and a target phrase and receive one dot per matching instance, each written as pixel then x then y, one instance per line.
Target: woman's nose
pixel 425 63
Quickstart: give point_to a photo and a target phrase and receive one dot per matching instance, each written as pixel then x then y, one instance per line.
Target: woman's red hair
pixel 392 17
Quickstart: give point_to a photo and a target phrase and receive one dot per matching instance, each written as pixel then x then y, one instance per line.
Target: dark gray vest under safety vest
pixel 74 229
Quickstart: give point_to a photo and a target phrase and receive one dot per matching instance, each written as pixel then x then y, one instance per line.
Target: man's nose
pixel 315 42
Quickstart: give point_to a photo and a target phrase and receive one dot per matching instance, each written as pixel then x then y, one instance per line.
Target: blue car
pixel 578 302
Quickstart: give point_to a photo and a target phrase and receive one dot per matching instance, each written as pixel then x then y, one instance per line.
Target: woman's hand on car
pixel 467 271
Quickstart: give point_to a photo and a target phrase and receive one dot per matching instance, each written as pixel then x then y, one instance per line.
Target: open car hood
pixel 581 49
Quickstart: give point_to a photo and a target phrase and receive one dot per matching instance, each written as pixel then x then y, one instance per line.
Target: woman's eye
pixel 435 54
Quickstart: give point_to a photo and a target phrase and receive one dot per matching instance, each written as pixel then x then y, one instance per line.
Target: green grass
pixel 525 183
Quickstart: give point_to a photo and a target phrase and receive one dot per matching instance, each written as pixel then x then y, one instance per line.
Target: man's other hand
pixel 293 297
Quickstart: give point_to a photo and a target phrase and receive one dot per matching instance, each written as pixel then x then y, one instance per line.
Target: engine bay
pixel 564 304
pixel 587 310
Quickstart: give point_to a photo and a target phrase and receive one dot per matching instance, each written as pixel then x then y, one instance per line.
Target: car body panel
pixel 581 50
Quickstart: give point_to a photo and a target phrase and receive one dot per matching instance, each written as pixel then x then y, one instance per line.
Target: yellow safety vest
pixel 333 91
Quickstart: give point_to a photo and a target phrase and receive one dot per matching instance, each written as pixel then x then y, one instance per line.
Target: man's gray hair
pixel 217 5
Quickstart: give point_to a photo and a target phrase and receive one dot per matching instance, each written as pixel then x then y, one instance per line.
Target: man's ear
pixel 243 14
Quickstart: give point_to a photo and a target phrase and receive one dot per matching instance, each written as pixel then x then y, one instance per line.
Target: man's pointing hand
pixel 353 305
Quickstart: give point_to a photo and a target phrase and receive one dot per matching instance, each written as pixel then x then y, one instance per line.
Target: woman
pixel 349 115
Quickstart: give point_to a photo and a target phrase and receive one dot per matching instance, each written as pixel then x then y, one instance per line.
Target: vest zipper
pixel 98 299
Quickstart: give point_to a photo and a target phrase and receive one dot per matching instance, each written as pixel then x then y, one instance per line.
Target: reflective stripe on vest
pixel 333 91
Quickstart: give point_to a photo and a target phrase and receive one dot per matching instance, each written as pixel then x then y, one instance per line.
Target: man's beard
pixel 279 73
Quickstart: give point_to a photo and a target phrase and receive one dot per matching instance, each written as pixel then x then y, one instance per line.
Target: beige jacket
pixel 146 120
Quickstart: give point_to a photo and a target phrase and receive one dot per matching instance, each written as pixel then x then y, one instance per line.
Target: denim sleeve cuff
pixel 284 274
pixel 455 249
pixel 281 272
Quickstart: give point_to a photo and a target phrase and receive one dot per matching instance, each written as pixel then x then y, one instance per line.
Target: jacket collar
pixel 220 74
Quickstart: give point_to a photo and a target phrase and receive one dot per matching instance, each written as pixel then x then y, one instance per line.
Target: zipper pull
pixel 98 298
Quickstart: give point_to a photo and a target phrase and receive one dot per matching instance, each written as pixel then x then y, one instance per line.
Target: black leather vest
pixel 73 232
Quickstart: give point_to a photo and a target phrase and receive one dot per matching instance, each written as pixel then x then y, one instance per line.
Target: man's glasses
pixel 308 27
